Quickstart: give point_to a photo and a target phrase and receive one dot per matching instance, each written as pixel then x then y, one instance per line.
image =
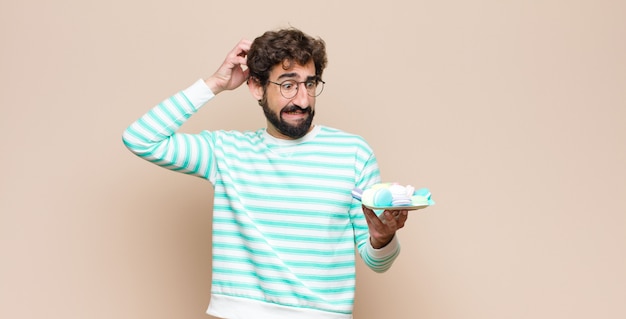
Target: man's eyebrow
pixel 295 75
pixel 287 75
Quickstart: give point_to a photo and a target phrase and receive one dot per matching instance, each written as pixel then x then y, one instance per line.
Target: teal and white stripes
pixel 152 138
pixel 285 225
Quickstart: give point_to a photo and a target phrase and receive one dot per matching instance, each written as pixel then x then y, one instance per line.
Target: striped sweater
pixel 285 226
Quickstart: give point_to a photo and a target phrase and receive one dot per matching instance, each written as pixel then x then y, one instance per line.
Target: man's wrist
pixel 380 243
pixel 210 83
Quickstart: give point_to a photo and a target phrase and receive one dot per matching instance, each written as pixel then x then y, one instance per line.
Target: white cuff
pixel 198 93
pixel 390 249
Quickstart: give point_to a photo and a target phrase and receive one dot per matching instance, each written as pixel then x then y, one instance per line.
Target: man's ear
pixel 255 88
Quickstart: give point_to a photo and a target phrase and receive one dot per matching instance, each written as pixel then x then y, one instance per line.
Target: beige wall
pixel 512 112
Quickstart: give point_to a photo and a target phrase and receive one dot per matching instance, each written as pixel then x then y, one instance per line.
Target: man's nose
pixel 301 95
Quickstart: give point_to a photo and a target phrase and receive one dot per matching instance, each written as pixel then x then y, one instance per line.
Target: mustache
pixel 296 108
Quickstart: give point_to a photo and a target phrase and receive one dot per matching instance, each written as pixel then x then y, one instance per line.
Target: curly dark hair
pixel 285 47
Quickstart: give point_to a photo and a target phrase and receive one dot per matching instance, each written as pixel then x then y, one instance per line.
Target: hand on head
pixel 231 74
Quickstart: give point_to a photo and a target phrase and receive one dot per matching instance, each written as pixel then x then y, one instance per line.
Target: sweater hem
pixel 229 307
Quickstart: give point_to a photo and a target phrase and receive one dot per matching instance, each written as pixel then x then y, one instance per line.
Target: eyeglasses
pixel 289 88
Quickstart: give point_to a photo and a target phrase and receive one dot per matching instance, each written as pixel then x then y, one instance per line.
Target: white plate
pixel 398 207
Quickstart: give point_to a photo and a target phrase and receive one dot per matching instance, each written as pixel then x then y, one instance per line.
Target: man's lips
pixel 295 108
pixel 296 111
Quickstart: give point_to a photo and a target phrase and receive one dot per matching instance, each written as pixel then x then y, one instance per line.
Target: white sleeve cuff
pixel 198 93
pixel 391 248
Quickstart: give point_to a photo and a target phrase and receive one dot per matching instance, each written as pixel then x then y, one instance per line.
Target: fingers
pixel 371 218
pixel 231 73
pixel 395 219
pixel 388 222
pixel 400 218
pixel 243 46
pixel 240 51
pixel 382 228
pixel 400 214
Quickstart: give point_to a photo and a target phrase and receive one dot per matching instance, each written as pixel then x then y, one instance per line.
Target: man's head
pixel 278 61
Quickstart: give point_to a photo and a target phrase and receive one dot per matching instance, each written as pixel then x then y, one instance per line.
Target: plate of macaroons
pixel 393 196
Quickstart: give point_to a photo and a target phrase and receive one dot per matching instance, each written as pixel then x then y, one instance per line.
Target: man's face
pixel 289 118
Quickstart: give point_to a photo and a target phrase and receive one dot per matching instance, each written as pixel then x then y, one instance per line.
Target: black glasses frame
pixel 297 85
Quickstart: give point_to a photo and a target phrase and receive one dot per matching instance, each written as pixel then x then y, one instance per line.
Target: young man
pixel 285 225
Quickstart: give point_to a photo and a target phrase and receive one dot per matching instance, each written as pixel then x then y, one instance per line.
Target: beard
pixel 293 131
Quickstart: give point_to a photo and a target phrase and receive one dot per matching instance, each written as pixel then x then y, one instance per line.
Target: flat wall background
pixel 513 113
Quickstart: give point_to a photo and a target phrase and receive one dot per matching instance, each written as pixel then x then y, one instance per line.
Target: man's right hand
pixel 231 74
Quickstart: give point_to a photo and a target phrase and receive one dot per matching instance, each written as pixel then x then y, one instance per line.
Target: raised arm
pixel 153 136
